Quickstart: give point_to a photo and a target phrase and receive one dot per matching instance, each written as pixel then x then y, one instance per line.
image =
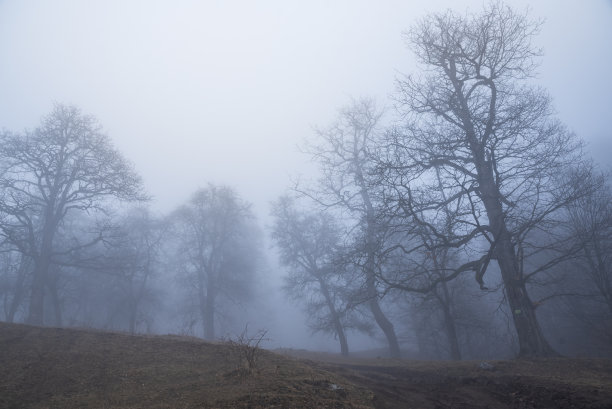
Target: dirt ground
pixel 536 383
pixel 67 368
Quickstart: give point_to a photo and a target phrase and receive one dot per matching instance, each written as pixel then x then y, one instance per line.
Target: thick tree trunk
pixel 531 339
pixel 42 261
pixel 530 336
pixel 344 350
pixel 37 295
pixel 387 328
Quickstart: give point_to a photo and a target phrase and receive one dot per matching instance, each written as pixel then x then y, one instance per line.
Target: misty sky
pixel 223 91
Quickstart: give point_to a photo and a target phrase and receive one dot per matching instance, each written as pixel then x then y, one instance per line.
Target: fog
pixel 226 92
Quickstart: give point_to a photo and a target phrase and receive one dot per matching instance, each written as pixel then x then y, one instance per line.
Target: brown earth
pixel 68 368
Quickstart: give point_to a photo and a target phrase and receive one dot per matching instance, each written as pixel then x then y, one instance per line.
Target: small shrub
pixel 246 348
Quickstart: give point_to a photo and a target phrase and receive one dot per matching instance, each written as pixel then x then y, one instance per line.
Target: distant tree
pixel 132 261
pixel 310 247
pixel 350 185
pixel 217 250
pixel 590 224
pixel 65 165
pixel 586 278
pixel 15 275
pixel 473 118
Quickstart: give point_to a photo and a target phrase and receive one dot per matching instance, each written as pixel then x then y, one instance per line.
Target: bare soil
pixel 69 368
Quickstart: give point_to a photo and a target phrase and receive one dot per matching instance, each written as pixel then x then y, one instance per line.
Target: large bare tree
pixel 65 165
pixel 350 184
pixel 217 250
pixel 475 119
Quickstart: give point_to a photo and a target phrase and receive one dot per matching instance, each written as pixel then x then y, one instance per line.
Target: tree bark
pixel 531 339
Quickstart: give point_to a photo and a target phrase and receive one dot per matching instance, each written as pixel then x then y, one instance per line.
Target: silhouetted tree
pixel 474 118
pixel 350 184
pixel 217 249
pixel 132 261
pixel 65 165
pixel 310 247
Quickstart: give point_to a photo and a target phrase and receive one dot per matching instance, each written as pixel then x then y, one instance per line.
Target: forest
pixel 459 220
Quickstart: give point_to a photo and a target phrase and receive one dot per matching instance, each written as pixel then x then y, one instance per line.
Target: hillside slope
pixel 68 368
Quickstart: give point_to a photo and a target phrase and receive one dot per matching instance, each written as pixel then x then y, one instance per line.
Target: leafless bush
pixel 245 347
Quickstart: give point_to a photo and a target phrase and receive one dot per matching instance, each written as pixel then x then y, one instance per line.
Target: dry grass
pixel 67 368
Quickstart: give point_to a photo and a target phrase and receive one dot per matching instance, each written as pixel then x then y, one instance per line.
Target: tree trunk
pixel 370 271
pixel 52 281
pixel 531 340
pixel 449 324
pixel 37 296
pixel 336 319
pixel 387 328
pixel 19 289
pixel 42 261
pixel 55 300
pixel 209 311
pixel 384 324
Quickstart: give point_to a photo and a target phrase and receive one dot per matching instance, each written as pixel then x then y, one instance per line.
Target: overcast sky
pixel 223 91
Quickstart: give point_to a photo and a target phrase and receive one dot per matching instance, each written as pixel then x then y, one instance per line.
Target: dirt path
pixel 557 383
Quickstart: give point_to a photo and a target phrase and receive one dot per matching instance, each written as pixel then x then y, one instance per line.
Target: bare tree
pixel 132 261
pixel 65 165
pixel 474 118
pixel 15 275
pixel 350 184
pixel 590 222
pixel 217 249
pixel 587 279
pixel 310 246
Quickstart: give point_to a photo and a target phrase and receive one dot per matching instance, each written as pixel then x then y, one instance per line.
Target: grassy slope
pixel 66 368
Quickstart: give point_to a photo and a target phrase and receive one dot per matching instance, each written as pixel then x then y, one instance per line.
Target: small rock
pixel 334 387
pixel 486 366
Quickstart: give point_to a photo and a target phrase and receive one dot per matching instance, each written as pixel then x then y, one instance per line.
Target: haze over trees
pixel 65 165
pixel 311 248
pixel 216 251
pixel 462 221
pixel 476 165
